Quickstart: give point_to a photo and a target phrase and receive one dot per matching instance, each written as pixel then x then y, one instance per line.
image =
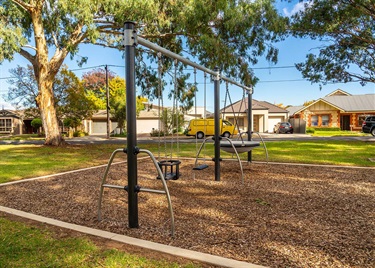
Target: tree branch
pixel 23 5
pixel 28 56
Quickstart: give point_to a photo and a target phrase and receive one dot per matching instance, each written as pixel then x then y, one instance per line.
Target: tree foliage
pixel 231 34
pixel 172 120
pixel 347 27
pixel 69 94
pixel 95 88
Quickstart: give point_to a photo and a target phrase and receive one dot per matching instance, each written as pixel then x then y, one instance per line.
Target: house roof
pixel 344 102
pixel 241 107
pixel 7 113
pixel 200 111
pixel 352 102
pixel 293 109
pixel 338 92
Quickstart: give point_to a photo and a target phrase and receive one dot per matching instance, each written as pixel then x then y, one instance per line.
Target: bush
pixel 36 123
pixel 156 133
pixel 123 134
pixel 79 133
pixel 327 129
pixel 310 130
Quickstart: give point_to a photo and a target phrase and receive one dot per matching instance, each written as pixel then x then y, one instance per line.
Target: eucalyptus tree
pixel 347 29
pixel 231 34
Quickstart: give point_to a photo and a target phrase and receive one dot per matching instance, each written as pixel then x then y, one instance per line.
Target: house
pixel 265 115
pixel 147 120
pixel 10 122
pixel 337 109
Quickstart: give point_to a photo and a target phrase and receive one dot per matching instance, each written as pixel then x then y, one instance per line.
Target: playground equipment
pixel 131 40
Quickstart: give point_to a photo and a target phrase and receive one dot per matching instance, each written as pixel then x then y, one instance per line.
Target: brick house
pixel 337 109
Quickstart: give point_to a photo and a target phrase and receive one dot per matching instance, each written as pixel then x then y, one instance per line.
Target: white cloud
pixel 300 6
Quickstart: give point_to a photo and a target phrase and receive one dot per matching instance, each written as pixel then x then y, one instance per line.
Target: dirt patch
pixel 295 216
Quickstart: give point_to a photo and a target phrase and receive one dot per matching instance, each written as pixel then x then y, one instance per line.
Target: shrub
pixel 310 130
pixel 36 123
pixel 79 133
pixel 123 134
pixel 156 133
pixel 327 129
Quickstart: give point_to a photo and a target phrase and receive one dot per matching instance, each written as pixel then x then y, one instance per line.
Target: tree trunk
pixel 45 72
pixel 46 104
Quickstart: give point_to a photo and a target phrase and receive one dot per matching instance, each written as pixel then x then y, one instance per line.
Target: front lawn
pixel 26 161
pixel 23 245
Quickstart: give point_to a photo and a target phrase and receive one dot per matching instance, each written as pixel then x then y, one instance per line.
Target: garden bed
pixel 282 216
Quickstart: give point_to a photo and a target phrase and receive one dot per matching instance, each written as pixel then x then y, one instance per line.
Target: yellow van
pixel 206 127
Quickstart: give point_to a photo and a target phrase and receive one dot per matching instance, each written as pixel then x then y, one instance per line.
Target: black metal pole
pixel 249 121
pixel 217 123
pixel 107 95
pixel 131 126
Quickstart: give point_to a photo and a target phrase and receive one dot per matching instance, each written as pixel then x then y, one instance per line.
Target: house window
pixel 314 120
pixel 5 125
pixel 240 121
pixel 325 120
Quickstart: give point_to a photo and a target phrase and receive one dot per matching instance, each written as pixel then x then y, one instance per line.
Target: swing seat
pixel 200 167
pixel 241 146
pixel 172 174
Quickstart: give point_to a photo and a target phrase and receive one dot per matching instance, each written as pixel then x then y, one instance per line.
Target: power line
pixel 275 67
pixel 277 81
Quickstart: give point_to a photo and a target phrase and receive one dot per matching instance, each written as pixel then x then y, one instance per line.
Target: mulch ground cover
pixel 281 216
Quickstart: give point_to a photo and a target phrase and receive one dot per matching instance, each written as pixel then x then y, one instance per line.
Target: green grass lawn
pixel 25 161
pixel 26 246
pixel 21 137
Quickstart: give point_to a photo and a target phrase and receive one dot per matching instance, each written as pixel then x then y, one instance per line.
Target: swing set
pixel 167 169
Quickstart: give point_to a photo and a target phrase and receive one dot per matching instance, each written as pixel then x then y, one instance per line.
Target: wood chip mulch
pixel 282 216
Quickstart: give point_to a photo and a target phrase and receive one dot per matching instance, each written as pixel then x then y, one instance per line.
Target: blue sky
pixel 276 85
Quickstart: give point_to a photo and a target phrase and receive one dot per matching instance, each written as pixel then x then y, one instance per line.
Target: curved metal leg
pixel 264 145
pixel 166 191
pixel 199 151
pixel 104 180
pixel 238 158
pixel 165 187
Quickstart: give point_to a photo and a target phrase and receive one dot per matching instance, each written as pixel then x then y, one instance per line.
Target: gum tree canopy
pixel 347 27
pixel 229 33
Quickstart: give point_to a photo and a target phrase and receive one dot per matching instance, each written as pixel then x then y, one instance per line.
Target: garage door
pixel 272 121
pixel 100 127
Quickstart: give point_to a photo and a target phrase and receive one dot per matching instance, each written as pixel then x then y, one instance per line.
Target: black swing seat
pixel 174 169
pixel 241 146
pixel 200 167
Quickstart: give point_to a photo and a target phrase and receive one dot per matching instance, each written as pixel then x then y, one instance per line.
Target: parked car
pixel 206 127
pixel 368 126
pixel 283 127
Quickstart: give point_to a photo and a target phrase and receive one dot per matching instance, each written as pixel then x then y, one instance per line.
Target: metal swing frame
pixel 130 41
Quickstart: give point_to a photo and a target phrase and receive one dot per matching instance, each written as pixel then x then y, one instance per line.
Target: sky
pixel 278 83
